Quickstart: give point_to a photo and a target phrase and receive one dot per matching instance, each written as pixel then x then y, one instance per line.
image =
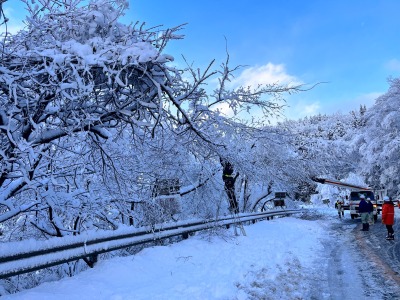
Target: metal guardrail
pixel 61 250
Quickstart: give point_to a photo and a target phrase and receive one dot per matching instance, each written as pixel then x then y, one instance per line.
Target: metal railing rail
pixel 17 262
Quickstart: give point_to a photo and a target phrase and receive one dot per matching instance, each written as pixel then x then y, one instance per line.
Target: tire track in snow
pixel 338 277
pixel 355 264
pixel 375 247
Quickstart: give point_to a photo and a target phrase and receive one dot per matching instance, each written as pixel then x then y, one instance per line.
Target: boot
pixel 390 236
pixel 366 226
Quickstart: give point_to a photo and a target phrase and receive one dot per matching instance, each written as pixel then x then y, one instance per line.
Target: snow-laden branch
pixel 16 211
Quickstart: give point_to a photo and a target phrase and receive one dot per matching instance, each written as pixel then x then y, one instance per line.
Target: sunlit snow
pixel 278 258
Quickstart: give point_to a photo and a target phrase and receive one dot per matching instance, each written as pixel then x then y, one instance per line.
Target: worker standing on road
pixel 370 212
pixel 339 207
pixel 388 216
pixel 363 211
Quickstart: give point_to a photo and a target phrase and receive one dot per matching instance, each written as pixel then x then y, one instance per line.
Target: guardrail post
pixel 91 260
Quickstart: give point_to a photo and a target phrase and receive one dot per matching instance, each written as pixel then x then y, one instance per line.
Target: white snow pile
pixel 274 261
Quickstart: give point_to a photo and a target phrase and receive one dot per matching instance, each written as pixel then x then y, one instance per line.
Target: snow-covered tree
pixel 81 96
pixel 379 142
pixel 325 142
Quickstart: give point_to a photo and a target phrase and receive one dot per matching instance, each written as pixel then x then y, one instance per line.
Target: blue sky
pixel 354 45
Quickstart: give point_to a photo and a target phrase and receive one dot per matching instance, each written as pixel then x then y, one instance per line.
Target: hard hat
pixel 362 197
pixel 386 198
pixel 368 198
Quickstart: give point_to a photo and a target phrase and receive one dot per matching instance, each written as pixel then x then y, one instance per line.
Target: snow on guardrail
pixel 24 257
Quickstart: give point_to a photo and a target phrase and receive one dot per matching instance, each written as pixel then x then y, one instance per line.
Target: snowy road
pixel 357 264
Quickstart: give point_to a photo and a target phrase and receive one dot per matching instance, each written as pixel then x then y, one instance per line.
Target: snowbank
pixel 273 259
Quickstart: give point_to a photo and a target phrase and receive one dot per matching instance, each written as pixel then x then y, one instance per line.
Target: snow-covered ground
pixel 284 258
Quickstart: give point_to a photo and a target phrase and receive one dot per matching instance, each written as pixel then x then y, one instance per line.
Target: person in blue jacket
pixel 363 210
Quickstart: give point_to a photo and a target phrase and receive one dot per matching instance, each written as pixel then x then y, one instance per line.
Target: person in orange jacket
pixel 388 216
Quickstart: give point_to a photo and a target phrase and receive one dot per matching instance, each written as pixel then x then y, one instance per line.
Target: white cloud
pixel 306 107
pixel 311 109
pixel 299 106
pixel 224 109
pixel 393 65
pixel 14 23
pixel 365 99
pixel 302 109
pixel 254 76
pixel 266 74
